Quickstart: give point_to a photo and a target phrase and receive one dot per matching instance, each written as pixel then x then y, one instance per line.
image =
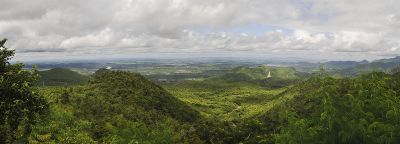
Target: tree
pixel 395 70
pixel 19 104
pixel 348 110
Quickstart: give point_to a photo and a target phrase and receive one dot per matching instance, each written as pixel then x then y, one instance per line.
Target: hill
pixel 343 64
pixel 322 109
pixel 138 91
pixel 114 107
pixel 124 107
pixel 280 76
pixel 231 109
pixel 339 110
pixel 261 72
pixel 60 76
pixel 382 65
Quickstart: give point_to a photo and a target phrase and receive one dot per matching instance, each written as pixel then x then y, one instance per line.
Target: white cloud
pixel 353 27
pixel 100 39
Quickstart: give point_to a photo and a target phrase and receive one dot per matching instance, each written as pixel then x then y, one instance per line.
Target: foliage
pixel 20 105
pixel 232 110
pixel 281 76
pixel 322 109
pixel 361 110
pixel 60 77
pixel 115 107
pixel 240 106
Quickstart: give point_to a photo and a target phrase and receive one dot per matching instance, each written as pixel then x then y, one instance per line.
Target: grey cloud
pixel 129 26
pixel 42 50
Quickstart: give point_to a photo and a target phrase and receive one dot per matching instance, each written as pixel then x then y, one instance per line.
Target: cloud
pixel 324 28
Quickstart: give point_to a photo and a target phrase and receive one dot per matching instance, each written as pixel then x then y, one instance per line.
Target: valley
pixel 207 102
pixel 199 72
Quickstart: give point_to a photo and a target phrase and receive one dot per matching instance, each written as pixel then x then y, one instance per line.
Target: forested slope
pixel 115 107
pixel 123 107
pixel 361 110
pixel 321 109
pixel 279 76
pixel 60 77
pixel 243 106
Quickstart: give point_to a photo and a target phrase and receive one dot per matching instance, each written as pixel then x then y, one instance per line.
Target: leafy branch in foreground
pixel 19 104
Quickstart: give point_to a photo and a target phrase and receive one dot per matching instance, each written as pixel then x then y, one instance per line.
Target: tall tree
pixel 19 104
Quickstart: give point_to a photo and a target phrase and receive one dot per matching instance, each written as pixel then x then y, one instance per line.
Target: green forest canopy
pixel 125 107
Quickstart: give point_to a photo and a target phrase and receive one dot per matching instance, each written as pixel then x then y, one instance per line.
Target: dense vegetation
pixel 241 105
pixel 360 110
pixel 279 76
pixel 322 109
pixel 20 105
pixel 115 107
pixel 382 65
pixel 60 76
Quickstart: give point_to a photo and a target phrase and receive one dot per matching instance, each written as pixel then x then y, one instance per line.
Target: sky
pixel 311 29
